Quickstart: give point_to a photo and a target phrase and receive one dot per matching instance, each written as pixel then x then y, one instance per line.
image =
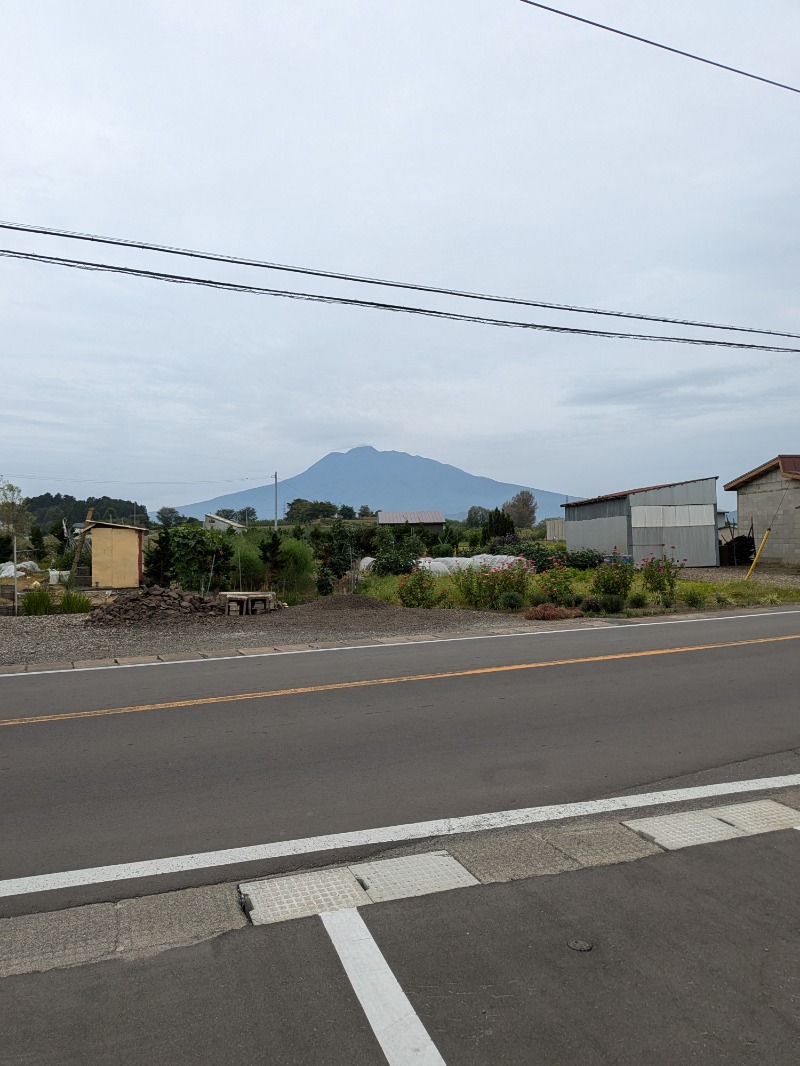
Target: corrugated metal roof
pixel 632 492
pixel 789 466
pixel 414 518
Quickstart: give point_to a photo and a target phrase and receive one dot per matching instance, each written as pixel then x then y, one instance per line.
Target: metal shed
pixel 116 555
pixel 431 520
pixel 678 519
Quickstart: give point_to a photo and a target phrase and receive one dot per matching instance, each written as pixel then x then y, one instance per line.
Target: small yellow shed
pixel 116 555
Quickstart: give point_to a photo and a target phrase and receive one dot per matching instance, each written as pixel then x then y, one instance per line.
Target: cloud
pixel 501 150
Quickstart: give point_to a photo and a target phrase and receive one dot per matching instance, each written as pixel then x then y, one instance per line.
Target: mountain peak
pixel 384 480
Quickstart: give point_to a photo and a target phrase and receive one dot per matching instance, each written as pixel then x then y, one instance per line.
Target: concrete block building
pixel 682 516
pixel 769 496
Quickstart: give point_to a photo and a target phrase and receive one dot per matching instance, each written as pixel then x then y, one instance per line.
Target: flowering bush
pixel 660 576
pixel 543 556
pixel 418 589
pixel 482 587
pixel 556 584
pixel 614 577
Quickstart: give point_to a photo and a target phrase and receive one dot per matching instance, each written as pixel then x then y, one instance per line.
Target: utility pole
pixel 275 475
pixel 16 591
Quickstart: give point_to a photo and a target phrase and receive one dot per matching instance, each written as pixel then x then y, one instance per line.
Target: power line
pixel 663 47
pixel 227 286
pixel 361 280
pixel 104 481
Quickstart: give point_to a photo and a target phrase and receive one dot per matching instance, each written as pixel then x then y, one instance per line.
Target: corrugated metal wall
pixel 681 518
pixel 602 534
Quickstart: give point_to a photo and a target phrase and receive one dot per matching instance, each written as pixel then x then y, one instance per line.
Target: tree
pixel 297 511
pixel 364 511
pixel 158 559
pixel 522 509
pixel 246 515
pixel 169 517
pixel 270 551
pixel 36 537
pixel 476 516
pixel 14 515
pixel 226 512
pixel 193 553
pixel 346 511
pixel 497 524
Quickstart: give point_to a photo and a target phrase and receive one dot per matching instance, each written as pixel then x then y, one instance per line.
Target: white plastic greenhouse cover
pixel 7 569
pixel 450 563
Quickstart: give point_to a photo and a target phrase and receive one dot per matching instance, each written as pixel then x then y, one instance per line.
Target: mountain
pixel 387 481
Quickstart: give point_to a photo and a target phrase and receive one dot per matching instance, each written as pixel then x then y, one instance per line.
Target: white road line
pixel 401 1035
pixel 610 627
pixel 471 823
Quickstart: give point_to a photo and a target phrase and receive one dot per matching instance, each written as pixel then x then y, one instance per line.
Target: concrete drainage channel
pixel 148 925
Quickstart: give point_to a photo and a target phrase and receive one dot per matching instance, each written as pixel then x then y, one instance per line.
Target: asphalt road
pixel 693 960
pixel 219 754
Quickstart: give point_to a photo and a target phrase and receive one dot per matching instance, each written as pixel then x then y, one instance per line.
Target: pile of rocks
pixel 154 605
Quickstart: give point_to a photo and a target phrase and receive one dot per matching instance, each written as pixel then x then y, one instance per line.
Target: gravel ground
pixel 725 574
pixel 335 619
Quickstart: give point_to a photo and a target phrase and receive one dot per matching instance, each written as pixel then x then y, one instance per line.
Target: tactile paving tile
pixel 300 895
pixel 414 875
pixel 683 830
pixel 761 816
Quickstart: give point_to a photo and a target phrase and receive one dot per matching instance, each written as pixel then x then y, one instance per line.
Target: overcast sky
pixel 487 146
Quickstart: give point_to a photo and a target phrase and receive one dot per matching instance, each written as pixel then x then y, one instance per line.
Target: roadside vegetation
pixel 318 549
pixel 553 589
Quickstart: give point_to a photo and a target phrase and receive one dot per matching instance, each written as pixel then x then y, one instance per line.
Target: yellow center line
pixel 341 685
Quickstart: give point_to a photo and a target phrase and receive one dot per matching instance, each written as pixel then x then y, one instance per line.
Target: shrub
pixel 75 603
pixel 660 576
pixel 593 605
pixel 536 597
pixel 247 566
pixel 544 556
pixel 613 578
pixel 584 559
pixel 324 582
pixel 694 598
pixel 612 602
pixel 573 599
pixel 418 589
pixel 723 599
pixel 394 561
pixel 38 601
pixel 511 601
pixel 481 587
pixel 550 612
pixel 637 599
pixel 508 545
pixel 556 584
pixel 441 551
pixel 296 567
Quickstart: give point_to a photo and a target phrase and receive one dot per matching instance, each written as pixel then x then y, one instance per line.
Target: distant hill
pixel 386 481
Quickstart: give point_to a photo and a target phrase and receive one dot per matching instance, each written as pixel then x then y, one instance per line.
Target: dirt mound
pixel 155 605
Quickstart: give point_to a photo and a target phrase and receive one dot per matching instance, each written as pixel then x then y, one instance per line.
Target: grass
pixel 75 602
